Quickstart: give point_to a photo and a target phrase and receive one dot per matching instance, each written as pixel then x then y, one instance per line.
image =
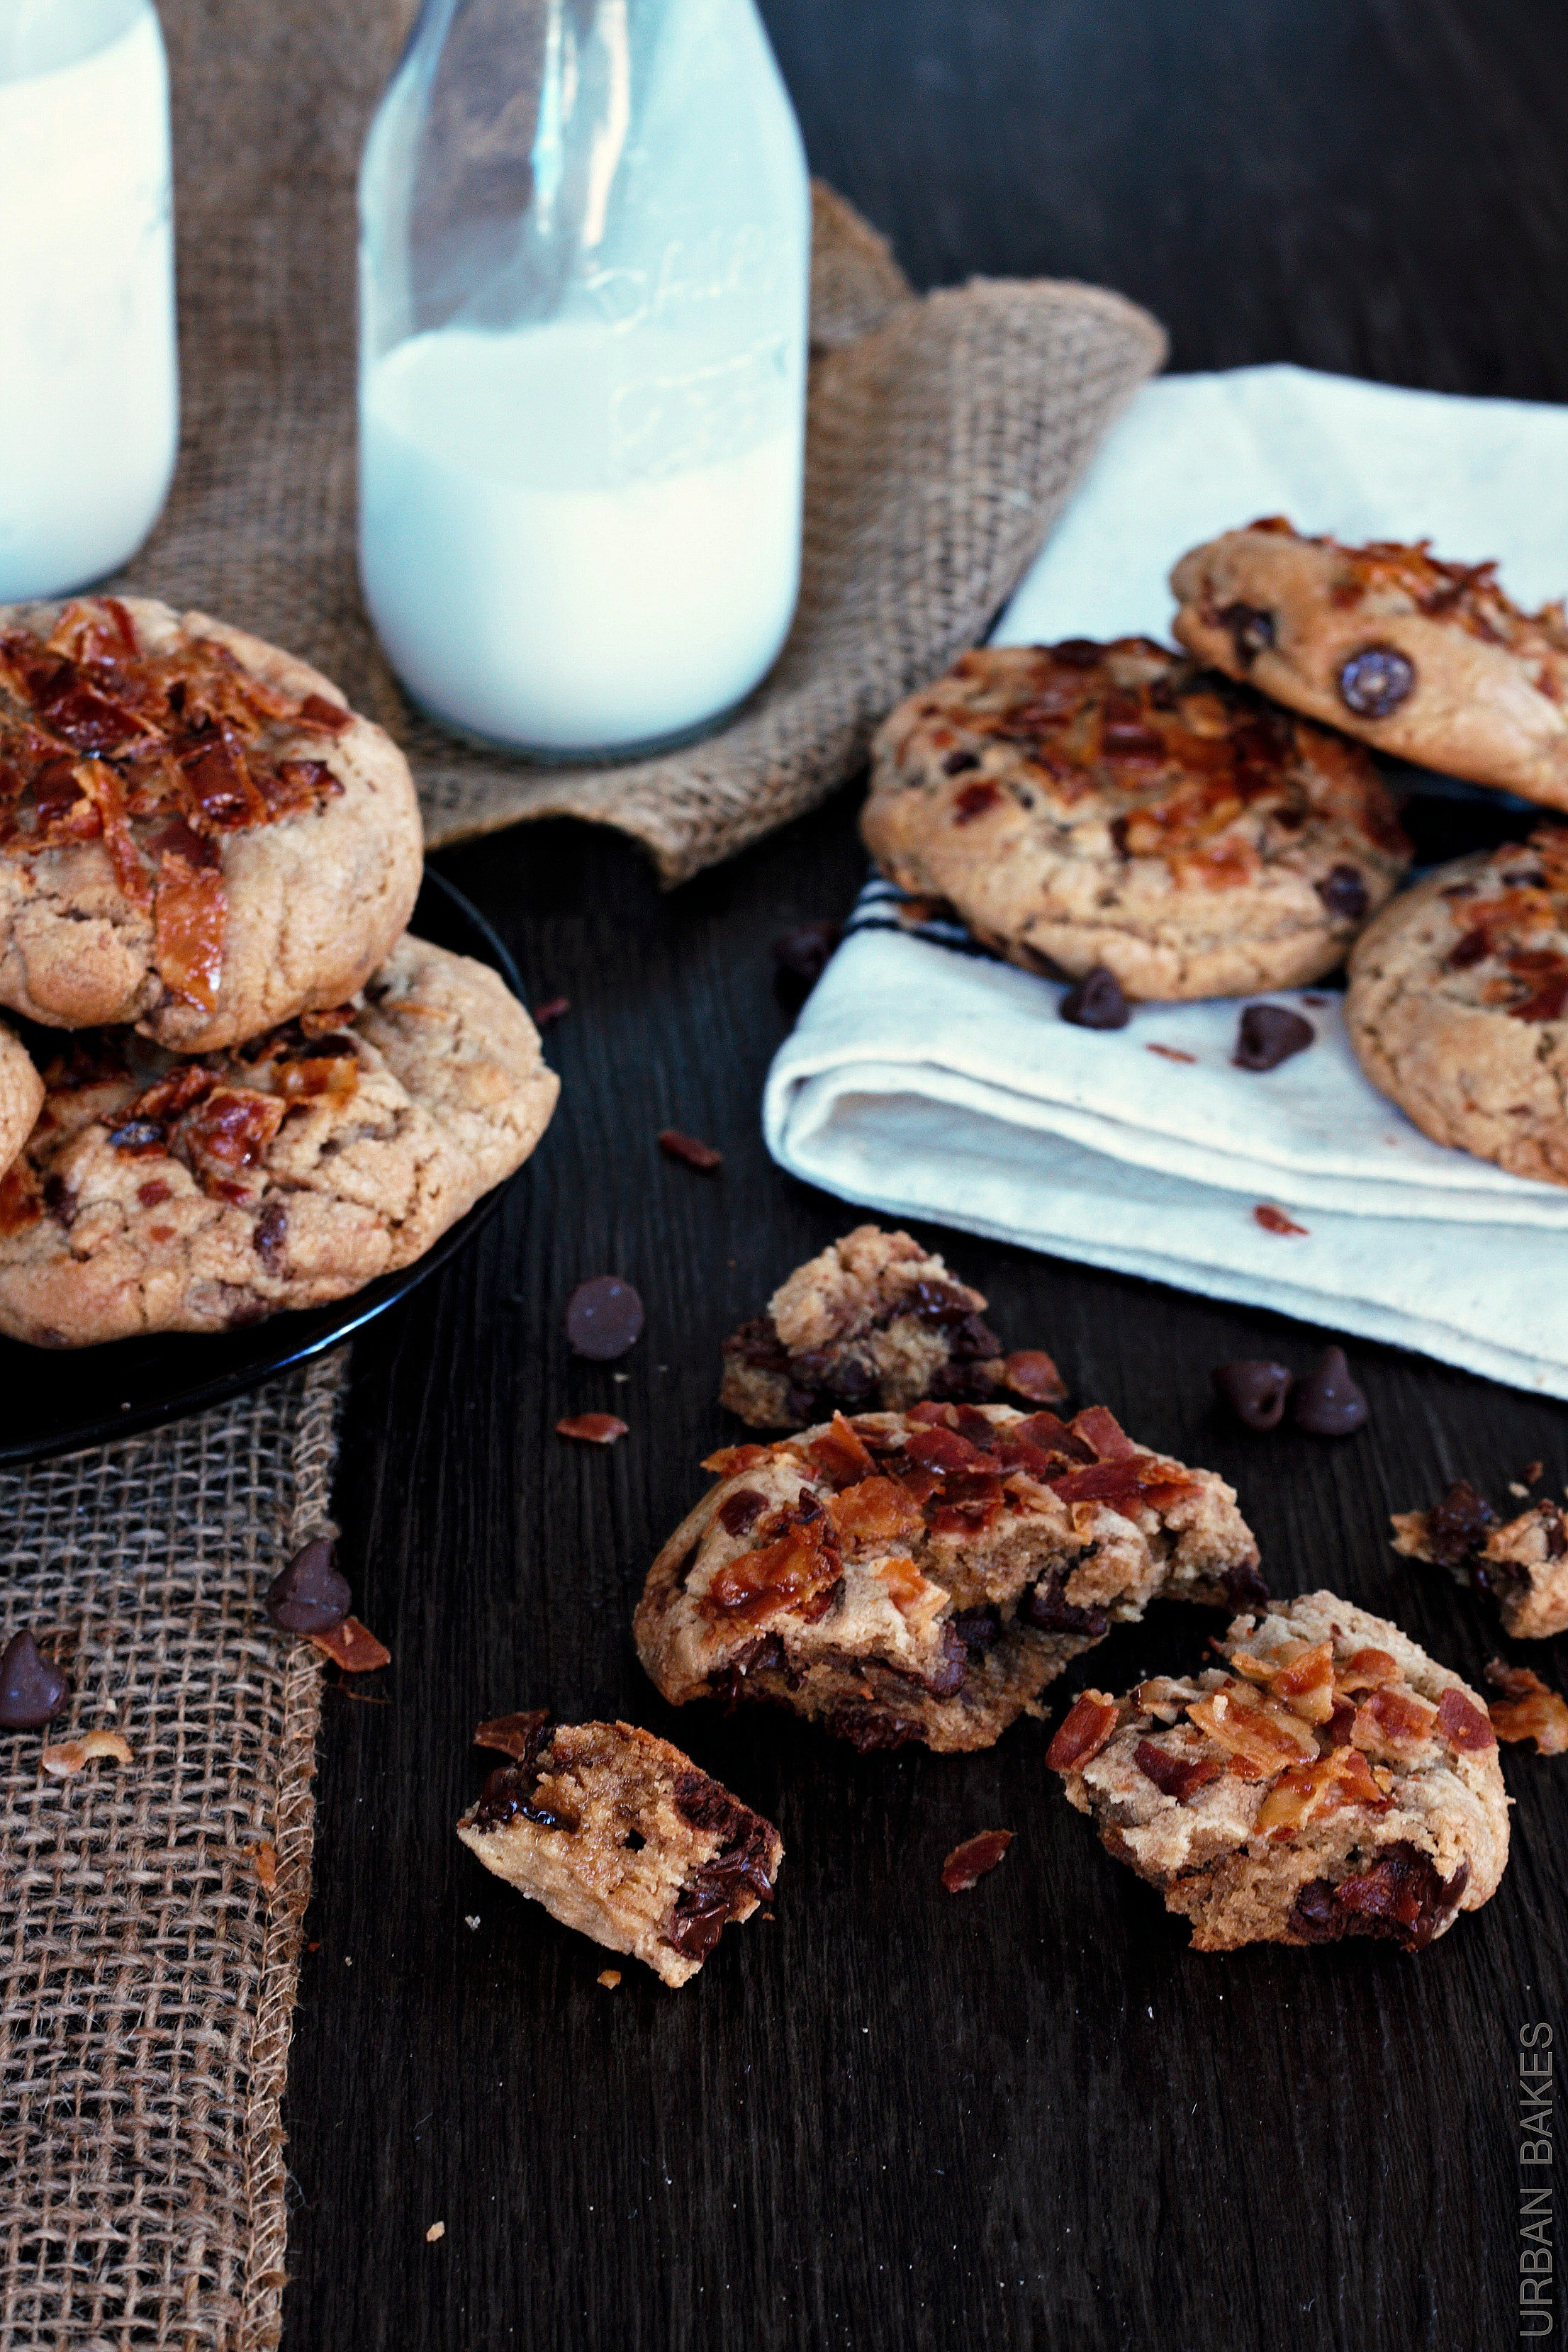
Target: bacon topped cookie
pixel 923 1575
pixel 1426 659
pixel 196 834
pixel 1457 1004
pixel 1114 805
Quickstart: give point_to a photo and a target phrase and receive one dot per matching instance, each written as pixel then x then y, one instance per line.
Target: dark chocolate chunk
pixel 309 1597
pixel 1075 652
pixel 1243 1586
pixel 60 1200
pixel 953 1667
pixel 32 1689
pixel 705 1802
pixel 1269 1034
pixel 1400 1897
pixel 1344 893
pixel 1045 1608
pixel 1375 681
pixel 1254 1389
pixel 508 1795
pixel 1326 1400
pixel 604 1318
pixel 1251 629
pixel 958 763
pixel 741 1509
pixel 978 1629
pixel 757 1342
pixel 1458 1525
pixel 1097 1001
pixel 266 1237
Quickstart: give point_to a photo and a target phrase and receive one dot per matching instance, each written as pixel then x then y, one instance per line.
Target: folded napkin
pixel 925 1080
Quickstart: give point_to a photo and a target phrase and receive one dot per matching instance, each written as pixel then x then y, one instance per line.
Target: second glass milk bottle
pixel 584 234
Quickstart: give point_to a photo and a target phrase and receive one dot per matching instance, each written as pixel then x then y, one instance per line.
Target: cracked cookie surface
pixel 196 834
pixel 21 1095
pixel 1425 659
pixel 1084 805
pixel 161 1194
pixel 923 1576
pixel 1457 1004
pixel 1332 1780
pixel 621 1836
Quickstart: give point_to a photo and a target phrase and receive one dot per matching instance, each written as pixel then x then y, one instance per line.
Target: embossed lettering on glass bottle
pixel 584 230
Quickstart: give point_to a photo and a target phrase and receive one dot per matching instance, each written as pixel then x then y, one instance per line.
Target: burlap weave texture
pixel 946 435
pixel 147 1979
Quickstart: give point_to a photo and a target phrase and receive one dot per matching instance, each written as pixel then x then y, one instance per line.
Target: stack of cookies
pixel 238 1084
pixel 1213 823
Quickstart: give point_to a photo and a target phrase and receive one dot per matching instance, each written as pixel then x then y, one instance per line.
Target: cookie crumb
pixel 609 1978
pixel 70 1754
pixel 1515 1488
pixel 471 1919
pixel 435 2233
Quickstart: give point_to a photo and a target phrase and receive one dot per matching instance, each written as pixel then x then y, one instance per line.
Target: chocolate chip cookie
pixel 622 1837
pixel 873 1319
pixel 1457 1004
pixel 1115 807
pixel 923 1576
pixel 161 1194
pixel 21 1095
pixel 1425 659
pixel 1332 1780
pixel 1522 1563
pixel 196 834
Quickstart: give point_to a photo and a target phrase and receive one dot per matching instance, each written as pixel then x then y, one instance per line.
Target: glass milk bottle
pixel 584 235
pixel 89 389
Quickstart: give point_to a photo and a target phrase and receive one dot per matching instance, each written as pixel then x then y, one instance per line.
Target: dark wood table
pixel 1029 2116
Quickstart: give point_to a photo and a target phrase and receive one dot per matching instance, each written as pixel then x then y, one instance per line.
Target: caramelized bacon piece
pixel 189 913
pixel 1103 1482
pixel 968 1862
pixel 1175 1776
pixel 970 1501
pixel 1394 1719
pixel 1529 1708
pixel 1304 1793
pixel 878 1510
pixel 1052 1436
pixel 1462 1724
pixel 20 1202
pixel 732 1458
pixel 1301 1675
pixel 1365 1670
pixel 352 1647
pixel 797 1572
pixel 1263 1735
pixel 906 1586
pixel 943 1450
pixel 841 1455
pixel 1101 1430
pixel 231 1127
pixel 1082 1732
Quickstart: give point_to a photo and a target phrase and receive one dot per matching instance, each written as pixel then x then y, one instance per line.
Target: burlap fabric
pixel 945 436
pixel 146 1978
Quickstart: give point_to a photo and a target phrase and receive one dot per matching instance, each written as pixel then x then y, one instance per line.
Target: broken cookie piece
pixel 1332 1780
pixel 874 1320
pixel 923 1576
pixel 1520 1564
pixel 622 1837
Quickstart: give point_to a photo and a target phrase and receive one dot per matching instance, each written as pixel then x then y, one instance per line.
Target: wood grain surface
pixel 890 2118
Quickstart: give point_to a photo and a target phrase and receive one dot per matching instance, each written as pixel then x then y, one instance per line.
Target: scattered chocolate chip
pixel 1326 1400
pixel 1399 1896
pixel 1458 1525
pixel 802 954
pixel 1243 1585
pixel 676 1146
pixel 591 1428
pixel 958 763
pixel 1097 1001
pixel 1344 893
pixel 968 1862
pixel 309 1597
pixel 61 1202
pixel 549 1011
pixel 32 1688
pixel 1251 630
pixel 1375 681
pixel 1255 1390
pixel 1046 1608
pixel 604 1318
pixel 1030 1372
pixel 1269 1034
pixel 267 1234
pixel 978 1629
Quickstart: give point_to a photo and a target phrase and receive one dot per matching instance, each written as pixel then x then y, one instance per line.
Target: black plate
pixel 81 1396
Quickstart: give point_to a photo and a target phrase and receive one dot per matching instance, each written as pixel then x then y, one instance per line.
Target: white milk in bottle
pixel 88 391
pixel 581 410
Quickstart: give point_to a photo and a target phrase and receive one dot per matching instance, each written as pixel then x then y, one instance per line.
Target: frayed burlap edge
pixel 294 1830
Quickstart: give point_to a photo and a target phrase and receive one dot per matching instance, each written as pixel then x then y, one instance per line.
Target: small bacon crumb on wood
pixel 591 1428
pixel 1529 1708
pixel 688 1148
pixel 968 1862
pixel 609 1978
pixel 68 1755
pixel 264 1861
pixel 353 1647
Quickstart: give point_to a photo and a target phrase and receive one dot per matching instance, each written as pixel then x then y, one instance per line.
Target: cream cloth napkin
pixel 926 1080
